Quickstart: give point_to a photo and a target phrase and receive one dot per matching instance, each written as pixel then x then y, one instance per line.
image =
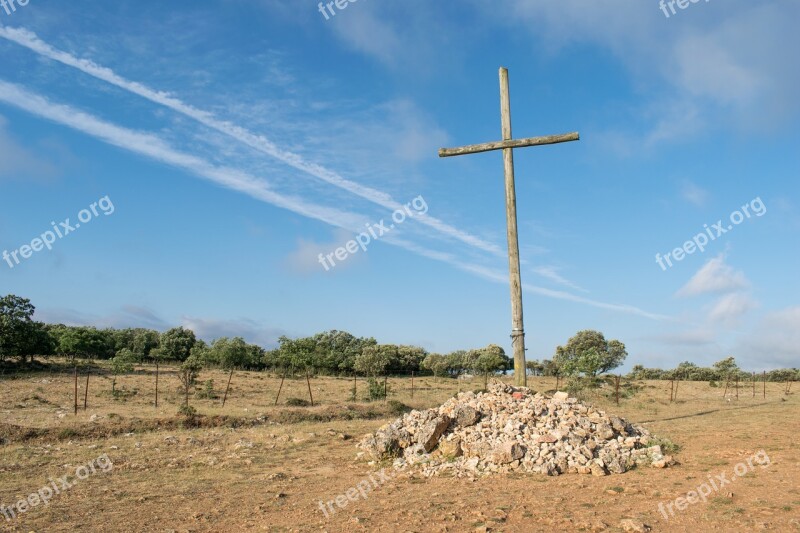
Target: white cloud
pixel 550 272
pixel 209 329
pixel 304 259
pixel 731 62
pixel 128 316
pixel 774 342
pixel 260 143
pixel 729 309
pixel 155 148
pixel 713 278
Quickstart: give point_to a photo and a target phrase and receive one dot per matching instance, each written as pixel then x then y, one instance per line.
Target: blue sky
pixel 238 140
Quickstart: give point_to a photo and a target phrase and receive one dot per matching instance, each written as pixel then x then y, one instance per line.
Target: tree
pixel 577 353
pixel 587 363
pixel 229 353
pixel 436 363
pixel 144 341
pixel 490 359
pixel 336 351
pixel 121 364
pixel 187 374
pixel 726 367
pixel 16 326
pixel 85 342
pixel 535 367
pixel 374 360
pixel 177 343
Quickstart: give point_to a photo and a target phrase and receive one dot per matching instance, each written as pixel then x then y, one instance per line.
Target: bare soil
pixel 254 466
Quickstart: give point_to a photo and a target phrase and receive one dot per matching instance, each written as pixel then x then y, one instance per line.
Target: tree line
pixel 586 354
pixel 332 352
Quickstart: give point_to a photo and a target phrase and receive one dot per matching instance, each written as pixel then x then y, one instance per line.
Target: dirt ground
pixel 254 466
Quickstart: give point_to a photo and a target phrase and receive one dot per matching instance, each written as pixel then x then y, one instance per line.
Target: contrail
pixel 31 41
pixel 154 147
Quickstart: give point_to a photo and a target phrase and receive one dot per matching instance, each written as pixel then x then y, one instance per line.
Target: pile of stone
pixel 507 429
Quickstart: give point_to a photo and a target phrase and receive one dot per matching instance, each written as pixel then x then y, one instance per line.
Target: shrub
pixel 297 402
pixel 207 393
pixel 667 446
pixel 376 390
pixel 187 411
pixel 397 408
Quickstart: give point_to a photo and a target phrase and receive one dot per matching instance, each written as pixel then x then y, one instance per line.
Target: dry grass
pixel 251 466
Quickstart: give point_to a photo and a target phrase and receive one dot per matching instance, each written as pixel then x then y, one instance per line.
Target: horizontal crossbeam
pixel 512 143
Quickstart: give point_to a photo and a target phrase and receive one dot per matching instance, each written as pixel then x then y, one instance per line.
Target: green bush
pixel 397 408
pixel 375 389
pixel 187 411
pixel 297 402
pixel 207 393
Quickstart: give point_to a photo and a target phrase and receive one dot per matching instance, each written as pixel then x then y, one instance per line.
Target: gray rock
pixel 466 416
pixel 429 435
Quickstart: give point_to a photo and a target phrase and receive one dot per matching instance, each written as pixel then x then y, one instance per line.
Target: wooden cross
pixel 507 145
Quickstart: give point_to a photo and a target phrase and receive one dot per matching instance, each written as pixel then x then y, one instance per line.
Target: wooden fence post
pixel 86 392
pixel 308 382
pixel 676 390
pixel 76 390
pixel 412 384
pixel 279 388
pixel 617 390
pixel 385 390
pixel 156 383
pixel 227 388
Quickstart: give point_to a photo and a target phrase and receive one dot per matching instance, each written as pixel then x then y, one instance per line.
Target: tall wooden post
pixel 156 383
pixel 86 392
pixel 412 384
pixel 227 388
pixel 308 382
pixel 507 145
pixel 517 327
pixel 76 390
pixel 280 388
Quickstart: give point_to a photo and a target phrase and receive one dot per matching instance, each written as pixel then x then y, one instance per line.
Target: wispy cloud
pixel 152 146
pixel 551 273
pixel 774 341
pixel 714 277
pixel 251 331
pixel 260 143
pixel 729 309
